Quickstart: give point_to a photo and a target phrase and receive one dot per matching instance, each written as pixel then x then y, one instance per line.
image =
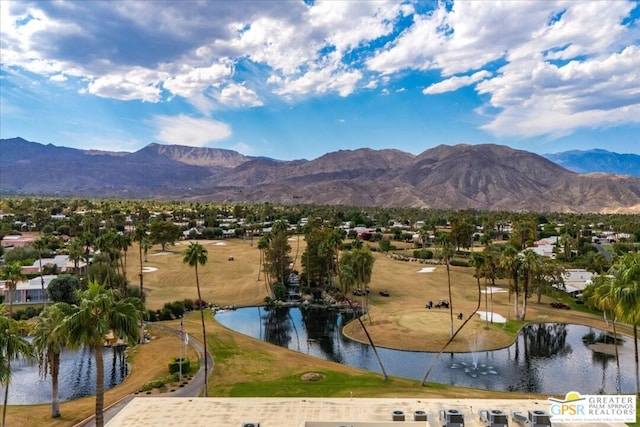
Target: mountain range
pixel 487 177
pixel 597 161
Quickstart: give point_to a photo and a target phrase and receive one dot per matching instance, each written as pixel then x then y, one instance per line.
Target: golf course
pixel 245 367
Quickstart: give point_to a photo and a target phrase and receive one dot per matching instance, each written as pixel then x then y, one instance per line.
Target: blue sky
pixel 293 79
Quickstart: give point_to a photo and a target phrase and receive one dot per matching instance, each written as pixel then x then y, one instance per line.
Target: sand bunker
pixel 497 318
pixel 493 290
pixel 161 253
pixel 427 270
pixel 149 269
pixel 220 244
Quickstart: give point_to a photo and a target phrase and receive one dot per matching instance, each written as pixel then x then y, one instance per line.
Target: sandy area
pixel 496 318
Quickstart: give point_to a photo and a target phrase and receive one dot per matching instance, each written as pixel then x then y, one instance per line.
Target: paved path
pixel 192 389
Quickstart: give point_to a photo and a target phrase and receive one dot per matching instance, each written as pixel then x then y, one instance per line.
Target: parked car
pixel 494 418
pixel 451 418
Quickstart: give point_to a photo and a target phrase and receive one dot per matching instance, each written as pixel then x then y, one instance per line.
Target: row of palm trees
pixel 100 311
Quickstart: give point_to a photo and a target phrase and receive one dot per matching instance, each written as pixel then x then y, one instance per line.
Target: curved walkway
pixel 192 389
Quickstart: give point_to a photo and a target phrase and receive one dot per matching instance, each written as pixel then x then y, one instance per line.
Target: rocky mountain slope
pixel 450 177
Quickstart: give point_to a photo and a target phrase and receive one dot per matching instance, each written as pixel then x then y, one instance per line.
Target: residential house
pixel 29 291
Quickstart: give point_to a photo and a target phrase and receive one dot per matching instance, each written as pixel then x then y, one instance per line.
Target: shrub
pixel 459 262
pixel 423 254
pixel 174 365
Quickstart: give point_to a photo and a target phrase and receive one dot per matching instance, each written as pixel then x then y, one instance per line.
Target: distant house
pixel 17 241
pixel 28 291
pixel 62 262
pixel 575 280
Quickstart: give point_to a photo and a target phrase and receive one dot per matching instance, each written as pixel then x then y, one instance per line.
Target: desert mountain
pixel 450 177
pixel 597 161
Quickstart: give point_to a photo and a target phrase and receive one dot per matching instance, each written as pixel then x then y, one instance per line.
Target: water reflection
pixel 546 358
pixel 77 376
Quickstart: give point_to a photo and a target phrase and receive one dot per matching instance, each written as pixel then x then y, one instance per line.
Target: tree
pixel 446 253
pixel 478 261
pixel 510 261
pixel 604 298
pixel 196 255
pixel 277 259
pixel 64 288
pixel 49 340
pixel 627 293
pixel 40 245
pixel 76 250
pixel 139 235
pixel 99 313
pixel 12 274
pixel 12 347
pixel 163 232
pixel 530 270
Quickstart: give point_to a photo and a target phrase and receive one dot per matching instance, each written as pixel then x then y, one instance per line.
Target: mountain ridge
pixel 487 177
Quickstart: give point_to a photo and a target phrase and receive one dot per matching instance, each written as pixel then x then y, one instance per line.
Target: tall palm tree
pixel 510 261
pixel 604 298
pixel 40 245
pixel 530 268
pixel 12 274
pixel 350 273
pixel 627 273
pixel 12 347
pixel 49 340
pixel 196 254
pixel 447 251
pixel 98 314
pixel 478 261
pixel 76 251
pixel 139 235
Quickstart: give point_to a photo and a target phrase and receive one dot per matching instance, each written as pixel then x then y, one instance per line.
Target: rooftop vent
pixel 397 416
pixel 419 416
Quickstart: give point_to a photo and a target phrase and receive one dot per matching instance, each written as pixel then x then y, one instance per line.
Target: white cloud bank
pixel 184 130
pixel 544 67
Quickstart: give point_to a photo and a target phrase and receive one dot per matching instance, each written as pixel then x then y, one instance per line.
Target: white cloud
pixel 236 95
pixel 529 59
pixel 136 84
pixel 58 78
pixel 184 130
pixel 455 83
pixel 188 81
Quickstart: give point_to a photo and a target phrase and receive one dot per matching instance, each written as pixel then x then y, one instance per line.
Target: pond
pixel 548 358
pixel 77 376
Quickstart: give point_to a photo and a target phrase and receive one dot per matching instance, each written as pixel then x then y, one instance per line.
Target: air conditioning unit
pixel 250 424
pixel 419 416
pixel 397 416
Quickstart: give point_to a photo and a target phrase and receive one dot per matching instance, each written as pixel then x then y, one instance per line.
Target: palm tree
pixel 530 268
pixel 12 347
pixel 40 245
pixel 98 314
pixel 478 261
pixel 12 274
pixel 194 255
pixel 604 298
pixel 48 341
pixel 627 274
pixel 447 253
pixel 76 251
pixel 139 235
pixel 510 261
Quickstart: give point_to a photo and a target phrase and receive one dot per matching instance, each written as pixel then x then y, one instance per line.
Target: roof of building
pixel 307 412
